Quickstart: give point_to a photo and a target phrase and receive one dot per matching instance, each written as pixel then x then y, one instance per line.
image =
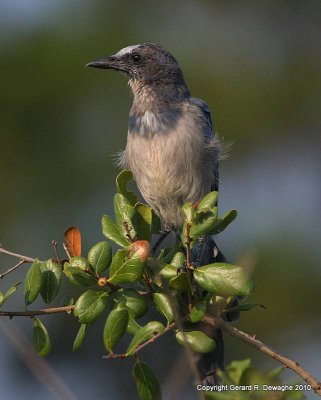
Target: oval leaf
pixel 100 256
pixel 143 334
pixel 9 292
pixel 77 271
pixel 208 202
pixel 204 223
pixel 198 311
pixel 72 238
pixel 90 305
pixel 110 231
pixel 32 282
pixel 40 338
pixel 147 385
pixel 168 271
pixel 178 260
pixel 121 185
pixel 124 213
pixel 164 306
pixel 196 340
pixel 51 273
pixel 143 221
pixel 124 270
pixel 223 279
pixel 180 282
pixel 133 300
pixel 223 222
pixel 115 327
pixel 80 337
pixel 132 326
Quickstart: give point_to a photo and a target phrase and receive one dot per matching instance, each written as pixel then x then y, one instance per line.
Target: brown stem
pixel 188 246
pixel 189 266
pixel 258 345
pixel 9 253
pixel 12 268
pixel 55 247
pixel 44 311
pixel 151 340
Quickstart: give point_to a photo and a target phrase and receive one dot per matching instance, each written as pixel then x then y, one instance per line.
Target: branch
pixel 23 260
pixel 44 311
pixel 149 341
pixel 258 345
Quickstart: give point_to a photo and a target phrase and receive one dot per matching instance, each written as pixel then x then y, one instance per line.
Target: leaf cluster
pixel 126 283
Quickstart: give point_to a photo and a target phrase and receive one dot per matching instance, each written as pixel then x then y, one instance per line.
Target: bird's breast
pixel 169 165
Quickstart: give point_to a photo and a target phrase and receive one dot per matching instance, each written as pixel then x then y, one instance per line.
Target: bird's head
pixel 146 64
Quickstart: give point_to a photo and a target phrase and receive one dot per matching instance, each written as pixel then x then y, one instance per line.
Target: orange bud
pixel 102 281
pixel 141 248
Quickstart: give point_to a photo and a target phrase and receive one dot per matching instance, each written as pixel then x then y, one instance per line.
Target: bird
pixel 172 148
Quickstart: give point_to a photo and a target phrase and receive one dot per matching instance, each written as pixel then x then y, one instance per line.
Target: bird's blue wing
pixel 209 133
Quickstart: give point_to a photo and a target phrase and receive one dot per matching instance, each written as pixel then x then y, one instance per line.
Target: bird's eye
pixel 136 58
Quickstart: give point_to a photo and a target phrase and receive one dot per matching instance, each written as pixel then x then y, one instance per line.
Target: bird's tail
pixel 210 363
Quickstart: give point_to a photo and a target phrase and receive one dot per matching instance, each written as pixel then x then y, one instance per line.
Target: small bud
pixel 102 281
pixel 141 248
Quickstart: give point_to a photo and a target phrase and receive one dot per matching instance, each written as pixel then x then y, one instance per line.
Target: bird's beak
pixel 112 62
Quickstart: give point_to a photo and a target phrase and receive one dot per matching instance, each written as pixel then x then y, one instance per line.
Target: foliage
pixel 241 381
pixel 123 285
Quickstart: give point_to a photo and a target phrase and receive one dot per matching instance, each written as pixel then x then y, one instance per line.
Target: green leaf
pixel 164 305
pixel 124 213
pixel 147 385
pixel 236 368
pixel 275 373
pixel 9 292
pixel 90 305
pixel 168 271
pixel 40 338
pixel 80 262
pixel 244 307
pixel 223 222
pixel 115 327
pixel 75 270
pixel 143 334
pixel 124 270
pixel 223 279
pixel 51 273
pixel 208 202
pixel 100 256
pixel 203 224
pixel 111 231
pixel 132 326
pixel 80 337
pixel 133 300
pixel 198 311
pixel 32 282
pixel 252 376
pixel 143 221
pixel 178 260
pixel 121 185
pixel 189 212
pixel 180 282
pixel 196 340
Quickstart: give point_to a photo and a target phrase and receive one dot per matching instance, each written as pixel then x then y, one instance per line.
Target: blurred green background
pixel 257 64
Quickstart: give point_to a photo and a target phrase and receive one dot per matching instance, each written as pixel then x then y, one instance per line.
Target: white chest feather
pixel 172 167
